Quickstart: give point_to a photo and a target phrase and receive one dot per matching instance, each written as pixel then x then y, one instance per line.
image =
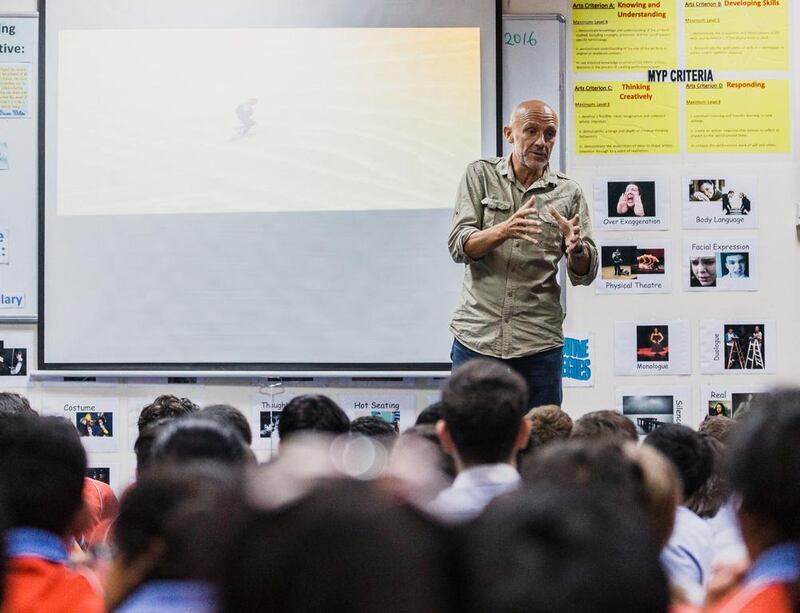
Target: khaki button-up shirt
pixel 510 305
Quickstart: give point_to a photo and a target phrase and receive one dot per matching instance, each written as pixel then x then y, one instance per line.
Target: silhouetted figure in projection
pixel 244 112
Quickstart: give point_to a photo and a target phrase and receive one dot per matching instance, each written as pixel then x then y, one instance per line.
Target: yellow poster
pixel 737 34
pixel 623 36
pixel 614 117
pixel 746 116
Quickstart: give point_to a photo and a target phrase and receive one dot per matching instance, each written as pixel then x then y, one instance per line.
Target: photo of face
pixel 718 408
pixel 703 271
pixel 734 265
pixel 631 198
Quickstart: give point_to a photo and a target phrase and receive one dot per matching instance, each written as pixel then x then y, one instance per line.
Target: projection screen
pixel 256 185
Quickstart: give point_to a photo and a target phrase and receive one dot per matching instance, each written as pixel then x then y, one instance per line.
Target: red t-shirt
pixel 36 585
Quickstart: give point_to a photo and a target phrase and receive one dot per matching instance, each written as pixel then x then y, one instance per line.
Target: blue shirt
pixel 36 543
pixel 779 564
pixel 171 597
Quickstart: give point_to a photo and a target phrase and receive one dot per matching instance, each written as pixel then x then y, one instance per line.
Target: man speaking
pixel 514 219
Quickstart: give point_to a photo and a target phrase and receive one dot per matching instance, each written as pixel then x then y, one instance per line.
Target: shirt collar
pixel 33 542
pixel 780 563
pixel 483 474
pixel 506 168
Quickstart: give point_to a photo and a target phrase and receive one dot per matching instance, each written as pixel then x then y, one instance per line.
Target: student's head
pixel 430 414
pixel 166 405
pixel 703 270
pixel 192 439
pixel 230 416
pixel 735 265
pixel 764 470
pixel 687 450
pixel 143 447
pixel 14 404
pixel 312 413
pixel 718 427
pixel 548 423
pixel 604 424
pixel 662 487
pixel 594 464
pixel 313 556
pixel 374 426
pixel 559 548
pixel 171 526
pixel 483 413
pixel 42 466
pixel 715 491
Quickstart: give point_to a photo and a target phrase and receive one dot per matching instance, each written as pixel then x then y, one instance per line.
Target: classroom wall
pixel 778 298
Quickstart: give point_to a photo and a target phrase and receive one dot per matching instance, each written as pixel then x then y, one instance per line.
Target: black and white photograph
pixel 648 412
pixel 268 424
pixel 13 361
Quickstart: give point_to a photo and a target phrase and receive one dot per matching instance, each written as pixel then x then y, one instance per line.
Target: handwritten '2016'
pixel 517 38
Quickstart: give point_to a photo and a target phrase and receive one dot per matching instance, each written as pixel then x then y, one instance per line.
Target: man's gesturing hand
pixel 571 230
pixel 520 226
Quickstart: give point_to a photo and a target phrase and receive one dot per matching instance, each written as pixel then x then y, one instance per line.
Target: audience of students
pixel 352 517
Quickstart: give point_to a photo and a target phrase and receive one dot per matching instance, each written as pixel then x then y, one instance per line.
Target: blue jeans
pixel 541 371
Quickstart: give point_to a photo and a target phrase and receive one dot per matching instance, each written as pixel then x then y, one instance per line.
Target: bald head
pixel 532 135
pixel 533 109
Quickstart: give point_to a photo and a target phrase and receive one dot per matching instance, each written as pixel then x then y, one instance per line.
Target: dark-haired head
pixel 42 466
pixel 604 424
pixel 553 547
pixel 764 470
pixel 483 413
pixel 312 413
pixel 165 405
pixel 687 450
pixel 172 526
pixel 198 439
pixel 372 425
pixel 14 404
pixel 362 529
pixel 230 416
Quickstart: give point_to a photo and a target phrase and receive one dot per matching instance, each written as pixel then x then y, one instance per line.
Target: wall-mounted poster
pixel 715 200
pixel 652 348
pixel 711 264
pixel 737 346
pixel 730 400
pixel 651 407
pixel 95 418
pixel 577 370
pixel 631 203
pixel 634 267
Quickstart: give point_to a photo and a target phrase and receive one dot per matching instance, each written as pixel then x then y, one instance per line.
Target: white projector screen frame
pixel 205 282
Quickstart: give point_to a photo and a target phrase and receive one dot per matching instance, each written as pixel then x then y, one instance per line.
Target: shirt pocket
pixel 494 211
pixel 551 236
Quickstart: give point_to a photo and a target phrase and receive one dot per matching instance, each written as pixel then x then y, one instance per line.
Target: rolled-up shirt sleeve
pixel 581 208
pixel 468 214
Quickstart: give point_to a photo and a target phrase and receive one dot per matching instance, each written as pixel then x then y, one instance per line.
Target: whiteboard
pixel 534 56
pixel 18 167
